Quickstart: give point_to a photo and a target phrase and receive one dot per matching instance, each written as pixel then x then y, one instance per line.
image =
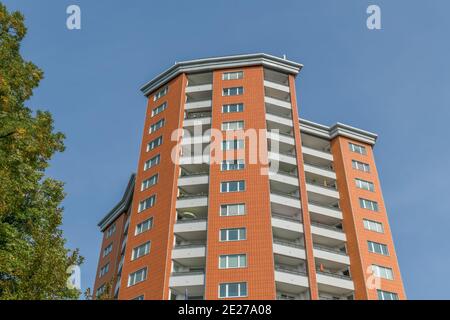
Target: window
pixel 232 75
pixel 368 204
pixel 136 277
pixel 232 125
pixel 357 148
pixel 235 234
pixel 152 162
pixel 147 183
pixel 373 226
pixel 100 290
pixel 104 270
pixel 157 125
pixel 233 261
pixel 379 248
pixel 234 91
pixel 383 272
pixel 232 290
pixel 141 250
pixel 139 297
pixel 360 166
pixel 232 186
pixel 144 226
pixel 228 165
pixel 159 109
pixel 111 230
pixel 154 143
pixel 232 144
pixel 147 203
pixel 161 93
pixel 107 250
pixel 363 184
pixel 231 108
pixel 228 210
pixel 386 295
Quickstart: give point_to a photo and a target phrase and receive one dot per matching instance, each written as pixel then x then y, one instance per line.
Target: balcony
pixel 191 229
pixel 332 258
pixel 291 281
pixel 199 88
pixel 286 158
pixel 326 214
pixel 323 171
pixel 334 283
pixel 277 103
pixel 190 254
pixel 197 123
pixel 288 227
pixel 279 121
pixel 286 203
pixel 200 105
pixel 327 235
pixel 194 183
pixel 323 193
pixel 316 153
pixel 192 283
pixel 289 252
pixel 276 86
pixel 195 205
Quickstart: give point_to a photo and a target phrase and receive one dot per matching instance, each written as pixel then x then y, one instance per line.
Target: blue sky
pixel 394 82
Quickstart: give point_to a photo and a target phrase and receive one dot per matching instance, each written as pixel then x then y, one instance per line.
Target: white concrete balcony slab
pixel 199 88
pixel 283 178
pixel 196 139
pixel 281 138
pixel 323 191
pixel 280 157
pixel 291 282
pixel 186 280
pixel 197 122
pixel 193 180
pixel 317 153
pixel 187 226
pixel 288 249
pixel 185 160
pixel 287 224
pixel 188 252
pixel 277 102
pixel 285 200
pixel 330 255
pixel 319 171
pixel 280 120
pixel 276 86
pixel 198 105
pixel 192 202
pixel 334 283
pixel 330 232
pixel 327 212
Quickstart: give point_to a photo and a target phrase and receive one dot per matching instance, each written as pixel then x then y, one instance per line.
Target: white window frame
pixel 232 91
pixel 241 232
pixel 241 209
pixel 233 75
pixel 361 166
pixel 239 295
pixel 374 226
pixel 107 250
pixel 147 203
pixel 134 275
pixel 382 295
pixel 152 162
pixel 358 148
pixel 228 108
pixel 383 248
pixel 136 254
pixel 150 182
pixel 154 143
pixel 241 261
pixel 233 125
pixel 232 165
pixel 365 185
pixel 369 204
pixel 383 272
pixel 111 230
pixel 235 144
pixel 139 227
pixel 104 270
pixel 228 183
pixel 157 125
pixel 161 93
pixel 159 109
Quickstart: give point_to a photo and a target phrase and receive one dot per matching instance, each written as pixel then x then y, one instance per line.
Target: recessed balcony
pixel 331 258
pixel 190 254
pixel 190 228
pixel 325 214
pixel 198 88
pixel 192 283
pixel 319 157
pixel 291 281
pixel 327 235
pixel 334 283
pixel 289 251
pixel 277 121
pixel 286 203
pixel 287 227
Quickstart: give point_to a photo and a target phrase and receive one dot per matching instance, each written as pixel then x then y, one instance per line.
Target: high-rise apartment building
pixel 247 201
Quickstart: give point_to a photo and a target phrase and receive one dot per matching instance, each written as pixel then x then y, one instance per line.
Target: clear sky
pixel 394 81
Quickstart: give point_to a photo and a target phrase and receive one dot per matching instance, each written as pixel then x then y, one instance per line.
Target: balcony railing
pixel 283 217
pixel 197 115
pixel 192 195
pixel 288 195
pixel 281 134
pixel 187 273
pixel 287 270
pixel 325 150
pixel 288 243
pixel 191 244
pixel 335 275
pixel 324 205
pixel 325 226
pixel 317 184
pixel 327 168
pixel 328 249
pixel 284 173
pixel 191 174
pixel 191 220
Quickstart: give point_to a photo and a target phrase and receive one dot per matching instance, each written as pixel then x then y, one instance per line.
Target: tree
pixel 33 257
